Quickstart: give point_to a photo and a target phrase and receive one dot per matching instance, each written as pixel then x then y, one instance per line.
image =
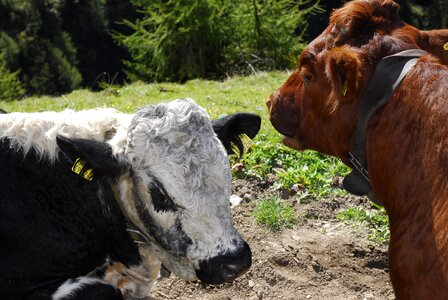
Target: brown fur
pixel 407 146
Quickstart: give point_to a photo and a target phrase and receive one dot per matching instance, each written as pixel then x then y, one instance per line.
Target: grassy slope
pixel 235 94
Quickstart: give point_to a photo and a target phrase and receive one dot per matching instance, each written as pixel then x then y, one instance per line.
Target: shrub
pixel 10 86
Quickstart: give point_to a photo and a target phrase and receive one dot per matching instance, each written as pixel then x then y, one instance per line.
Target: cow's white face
pixel 173 180
pixel 177 192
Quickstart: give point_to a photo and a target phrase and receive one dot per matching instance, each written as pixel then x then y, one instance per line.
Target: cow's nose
pixel 232 269
pixel 225 268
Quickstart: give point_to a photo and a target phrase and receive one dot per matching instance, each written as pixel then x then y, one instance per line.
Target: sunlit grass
pixel 274 214
pixel 375 220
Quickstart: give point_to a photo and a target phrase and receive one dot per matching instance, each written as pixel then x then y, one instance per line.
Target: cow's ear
pixel 343 70
pixel 231 130
pixel 90 155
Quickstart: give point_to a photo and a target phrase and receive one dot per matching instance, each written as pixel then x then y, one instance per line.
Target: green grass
pixel 311 169
pixel 274 214
pixel 375 220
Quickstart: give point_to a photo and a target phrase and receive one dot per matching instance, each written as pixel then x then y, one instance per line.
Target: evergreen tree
pixel 10 86
pixel 183 39
pixel 60 44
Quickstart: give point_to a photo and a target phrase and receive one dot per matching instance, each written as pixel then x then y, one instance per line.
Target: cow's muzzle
pixel 282 114
pixel 225 268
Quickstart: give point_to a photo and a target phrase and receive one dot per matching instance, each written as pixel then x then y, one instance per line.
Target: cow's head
pixel 174 182
pixel 316 108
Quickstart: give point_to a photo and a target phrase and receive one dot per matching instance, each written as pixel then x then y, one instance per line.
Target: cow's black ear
pixel 96 155
pixel 230 129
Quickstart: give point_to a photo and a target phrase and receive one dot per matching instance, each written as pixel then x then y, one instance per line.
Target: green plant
pixel 274 214
pixel 10 86
pixel 316 172
pixel 375 220
pixel 176 40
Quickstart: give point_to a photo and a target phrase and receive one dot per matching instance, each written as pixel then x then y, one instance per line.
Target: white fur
pixel 190 161
pixel 38 130
pixel 70 287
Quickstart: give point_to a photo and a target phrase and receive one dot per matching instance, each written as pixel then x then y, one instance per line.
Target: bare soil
pixel 319 258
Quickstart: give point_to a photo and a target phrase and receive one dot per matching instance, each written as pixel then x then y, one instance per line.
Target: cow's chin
pixel 181 267
pixel 293 142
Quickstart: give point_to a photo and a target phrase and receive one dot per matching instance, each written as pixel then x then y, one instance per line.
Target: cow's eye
pixel 160 200
pixel 307 78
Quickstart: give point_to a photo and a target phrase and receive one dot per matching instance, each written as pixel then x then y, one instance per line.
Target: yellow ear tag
pixel 345 88
pixel 246 141
pixel 79 168
pixel 445 47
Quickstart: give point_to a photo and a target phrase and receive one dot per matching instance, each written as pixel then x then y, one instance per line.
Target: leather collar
pixel 388 74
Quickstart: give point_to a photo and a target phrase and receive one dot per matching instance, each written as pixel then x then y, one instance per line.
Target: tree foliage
pixel 10 86
pixel 59 45
pixel 55 46
pixel 183 39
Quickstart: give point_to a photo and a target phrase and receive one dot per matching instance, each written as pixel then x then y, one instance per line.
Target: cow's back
pixel 54 225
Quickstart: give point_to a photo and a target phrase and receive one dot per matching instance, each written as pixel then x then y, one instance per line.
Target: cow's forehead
pixel 179 128
pixel 175 143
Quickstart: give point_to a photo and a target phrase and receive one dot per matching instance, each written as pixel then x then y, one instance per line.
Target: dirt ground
pixel 320 258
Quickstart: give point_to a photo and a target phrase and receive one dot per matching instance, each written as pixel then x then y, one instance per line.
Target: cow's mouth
pixel 293 142
pixel 164 272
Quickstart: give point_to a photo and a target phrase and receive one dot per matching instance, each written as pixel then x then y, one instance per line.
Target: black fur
pixel 159 197
pixel 53 226
pixel 229 128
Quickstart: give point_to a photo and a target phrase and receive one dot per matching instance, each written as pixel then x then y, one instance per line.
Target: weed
pixel 376 221
pixel 274 214
pixel 311 169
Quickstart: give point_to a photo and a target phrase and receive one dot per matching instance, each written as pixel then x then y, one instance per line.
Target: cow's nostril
pixel 225 268
pixel 228 272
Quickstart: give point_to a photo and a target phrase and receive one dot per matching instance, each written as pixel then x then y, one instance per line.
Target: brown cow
pixel 407 143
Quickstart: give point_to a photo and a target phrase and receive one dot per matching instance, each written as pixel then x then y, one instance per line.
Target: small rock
pixel 308 297
pixel 251 283
pixel 235 201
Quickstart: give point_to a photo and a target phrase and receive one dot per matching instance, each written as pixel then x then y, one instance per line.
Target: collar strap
pixel 388 74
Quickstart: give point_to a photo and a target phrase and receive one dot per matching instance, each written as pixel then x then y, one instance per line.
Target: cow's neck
pixel 408 168
pixel 125 199
pixel 388 74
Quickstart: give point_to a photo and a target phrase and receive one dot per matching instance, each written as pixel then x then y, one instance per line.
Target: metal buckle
pixel 358 166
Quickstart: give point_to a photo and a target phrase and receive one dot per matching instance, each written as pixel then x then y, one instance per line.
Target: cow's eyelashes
pixel 307 78
pixel 160 199
pixel 306 74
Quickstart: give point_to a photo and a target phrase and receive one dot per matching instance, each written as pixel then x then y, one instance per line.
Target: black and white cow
pixel 70 182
